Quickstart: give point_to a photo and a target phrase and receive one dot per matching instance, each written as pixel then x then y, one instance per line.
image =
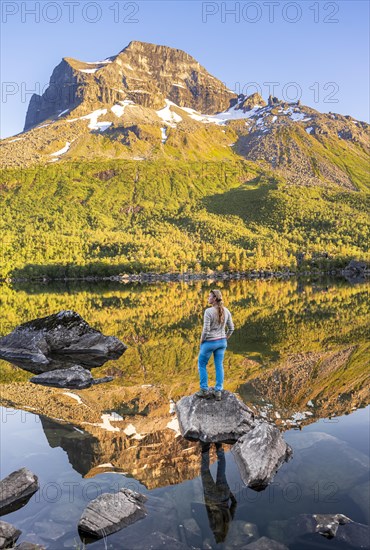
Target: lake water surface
pixel 299 355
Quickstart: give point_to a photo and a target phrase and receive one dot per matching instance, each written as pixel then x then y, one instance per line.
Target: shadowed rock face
pixel 63 332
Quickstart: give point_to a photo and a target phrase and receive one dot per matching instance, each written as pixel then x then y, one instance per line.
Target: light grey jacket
pixel 212 329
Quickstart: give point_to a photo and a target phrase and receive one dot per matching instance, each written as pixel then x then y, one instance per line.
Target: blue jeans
pixel 218 347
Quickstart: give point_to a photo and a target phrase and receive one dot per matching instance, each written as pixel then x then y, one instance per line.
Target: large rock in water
pixel 75 377
pixel 65 332
pixel 259 448
pixel 213 421
pixel 16 489
pixel 109 513
pixel 259 454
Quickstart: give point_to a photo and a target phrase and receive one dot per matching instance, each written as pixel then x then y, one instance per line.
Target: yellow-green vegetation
pixel 161 325
pixel 113 217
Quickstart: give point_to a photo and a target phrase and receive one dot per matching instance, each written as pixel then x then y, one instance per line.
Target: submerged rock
pixel 65 332
pixel 109 513
pixel 213 421
pixel 259 454
pixel 295 530
pixel 8 534
pixel 327 524
pixel 264 543
pixel 16 489
pixel 75 377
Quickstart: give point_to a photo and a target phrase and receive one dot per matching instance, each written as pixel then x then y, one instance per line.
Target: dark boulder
pixel 213 421
pixel 65 332
pixel 75 377
pixel 327 524
pixel 16 489
pixel 355 266
pixel 109 513
pixel 259 454
pixel 8 534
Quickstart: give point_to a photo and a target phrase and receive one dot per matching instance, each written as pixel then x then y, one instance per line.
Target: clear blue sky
pixel 324 51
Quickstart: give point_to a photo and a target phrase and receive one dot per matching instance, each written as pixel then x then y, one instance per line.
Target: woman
pixel 214 340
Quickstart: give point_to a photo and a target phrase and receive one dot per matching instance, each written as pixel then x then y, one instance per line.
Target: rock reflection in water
pixel 156 460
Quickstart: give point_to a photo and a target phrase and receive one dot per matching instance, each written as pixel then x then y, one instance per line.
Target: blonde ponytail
pixel 219 305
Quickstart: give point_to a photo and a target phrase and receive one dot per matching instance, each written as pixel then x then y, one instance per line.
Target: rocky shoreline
pixel 354 274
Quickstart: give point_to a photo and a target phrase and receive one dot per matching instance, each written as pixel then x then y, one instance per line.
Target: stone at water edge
pixel 16 489
pixel 8 534
pixel 294 529
pixel 63 332
pixel 327 524
pixel 75 377
pixel 109 513
pixel 212 421
pixel 259 454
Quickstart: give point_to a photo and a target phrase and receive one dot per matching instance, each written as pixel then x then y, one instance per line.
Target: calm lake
pixel 300 355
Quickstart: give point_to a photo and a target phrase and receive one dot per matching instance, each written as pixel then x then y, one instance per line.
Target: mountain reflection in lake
pixel 299 356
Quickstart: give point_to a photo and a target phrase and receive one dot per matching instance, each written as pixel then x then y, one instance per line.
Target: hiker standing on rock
pixel 214 340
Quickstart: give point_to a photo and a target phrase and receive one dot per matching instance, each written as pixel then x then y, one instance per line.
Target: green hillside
pixel 112 217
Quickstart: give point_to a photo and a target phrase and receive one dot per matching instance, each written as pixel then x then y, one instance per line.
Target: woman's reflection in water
pixel 219 500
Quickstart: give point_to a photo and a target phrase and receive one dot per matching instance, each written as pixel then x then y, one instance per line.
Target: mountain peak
pixel 144 73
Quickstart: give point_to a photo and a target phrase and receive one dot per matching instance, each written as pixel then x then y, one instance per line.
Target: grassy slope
pixel 170 216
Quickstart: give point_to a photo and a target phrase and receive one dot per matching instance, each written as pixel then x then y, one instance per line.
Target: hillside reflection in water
pixel 299 353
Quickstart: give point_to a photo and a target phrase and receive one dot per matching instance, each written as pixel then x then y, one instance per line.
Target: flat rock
pixel 208 420
pixel 259 454
pixel 75 377
pixel 109 513
pixel 16 489
pixel 8 534
pixel 64 332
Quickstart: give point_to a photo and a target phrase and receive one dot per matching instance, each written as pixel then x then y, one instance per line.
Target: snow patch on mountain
pixel 169 117
pixel 89 70
pixel 61 151
pixel 93 117
pixel 118 110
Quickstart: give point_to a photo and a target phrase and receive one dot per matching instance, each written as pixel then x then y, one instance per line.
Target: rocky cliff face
pixel 152 102
pixel 144 73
